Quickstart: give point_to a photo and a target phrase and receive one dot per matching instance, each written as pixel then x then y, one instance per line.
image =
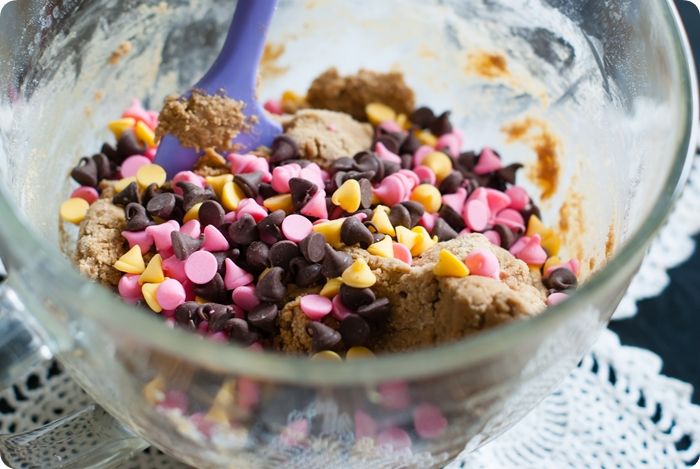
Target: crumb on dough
pixel 122 50
pixel 352 93
pixel 203 121
pixel 324 136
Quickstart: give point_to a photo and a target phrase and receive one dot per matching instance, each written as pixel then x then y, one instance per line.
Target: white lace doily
pixel 614 410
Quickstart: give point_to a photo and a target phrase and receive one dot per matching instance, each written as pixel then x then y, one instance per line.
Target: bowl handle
pixel 100 440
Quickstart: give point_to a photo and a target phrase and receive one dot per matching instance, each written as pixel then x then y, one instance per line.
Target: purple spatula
pixel 234 71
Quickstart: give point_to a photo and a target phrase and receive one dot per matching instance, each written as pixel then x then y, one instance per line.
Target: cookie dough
pixel 352 93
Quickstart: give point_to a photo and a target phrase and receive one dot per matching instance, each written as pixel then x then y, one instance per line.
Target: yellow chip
pixel 149 294
pixel 428 196
pixel 357 353
pixel 383 248
pixel 121 184
pixel 449 266
pixel 279 202
pixel 193 213
pixel 145 134
pixel 131 262
pixel 153 272
pixel 150 174
pixel 380 220
pixel 406 237
pixel 440 163
pixel 119 126
pixel 217 183
pixel 331 288
pixel 348 196
pixel 231 195
pixel 327 355
pixel 359 275
pixel 74 210
pixel 551 243
pixel 331 231
pixel 403 121
pixel 200 300
pixel 426 138
pixel 422 242
pixel 551 262
pixel 378 113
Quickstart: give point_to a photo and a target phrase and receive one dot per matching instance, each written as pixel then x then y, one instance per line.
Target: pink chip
pixel 200 267
pixel 451 142
pixel 365 426
pixel 316 206
pixel 186 176
pixel 150 153
pixel 421 153
pixel 235 276
pixel 529 250
pixel 131 165
pixel 296 227
pixel 129 287
pixel 391 126
pixel 511 218
pixel 339 311
pixel 192 229
pixel 425 174
pixel 394 395
pixel 391 190
pixel 476 215
pixel 488 162
pixel 312 173
pixel 137 112
pixel 493 237
pixel 214 240
pixel 496 200
pixel 384 154
pixel 142 238
pixel 556 298
pixel 161 234
pixel 518 197
pixel 170 294
pixel 87 193
pixel 245 297
pixel 427 220
pixel 402 253
pixel 429 421
pixel 250 206
pixel 394 438
pixel 483 263
pixel 248 393
pixel 273 106
pixel 456 200
pixel 316 307
pixel 281 176
pixel 572 264
pixel 174 268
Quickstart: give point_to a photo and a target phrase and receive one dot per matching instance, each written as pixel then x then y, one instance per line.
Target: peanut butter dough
pixel 324 136
pixel 203 121
pixel 100 243
pixel 427 310
pixel 352 93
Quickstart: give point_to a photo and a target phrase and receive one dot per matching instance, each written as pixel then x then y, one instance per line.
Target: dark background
pixel 669 324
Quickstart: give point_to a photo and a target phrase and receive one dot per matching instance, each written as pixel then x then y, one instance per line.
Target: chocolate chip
pixel 443 230
pixel 184 245
pixel 530 210
pixel 264 316
pixel 410 144
pixel 343 176
pixel 282 252
pixel 270 287
pixel 283 148
pixel 218 315
pixel 452 218
pixel 415 210
pixel 104 167
pixel 150 192
pixel 257 256
pixel 313 247
pixel 308 275
pixel 365 193
pixel 269 227
pixel 109 151
pixel 400 216
pixel 220 257
pixel 296 264
pixel 248 183
pixel 560 279
pixel 302 190
pixel 136 217
pixel 506 234
pixel 322 336
pixel 354 330
pixel 377 237
pixel 335 262
pixel 407 161
pixel 367 165
pixel 390 167
pixel 353 232
pixel 85 172
pixel 466 161
pixel 213 290
pixel 127 145
pixel 344 163
pixel 130 194
pixel 509 173
pixel 243 231
pixel 451 183
pixel 390 142
pixel 266 191
pixel 353 298
pixel 186 314
pixel 192 194
pixel 211 213
pixel 161 205
pixel 422 117
pixel 441 124
pixel 377 311
pixel 240 333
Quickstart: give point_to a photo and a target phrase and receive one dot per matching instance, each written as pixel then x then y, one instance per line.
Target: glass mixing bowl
pixel 609 80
